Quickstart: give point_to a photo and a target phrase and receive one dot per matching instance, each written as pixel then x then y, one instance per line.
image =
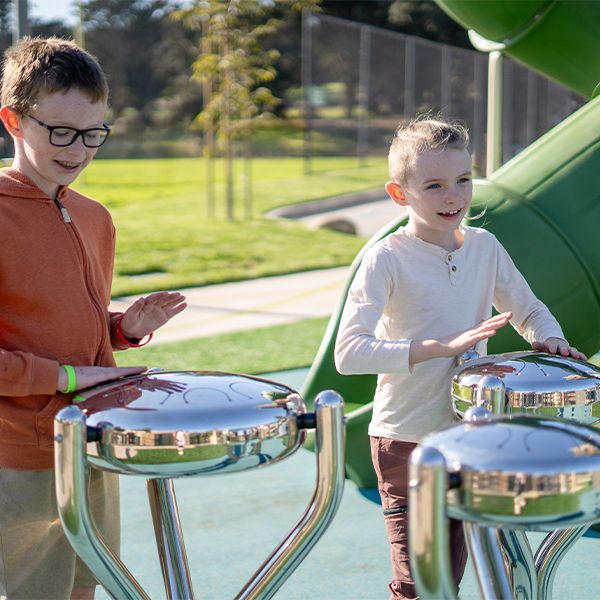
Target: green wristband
pixel 71 379
pixel 78 399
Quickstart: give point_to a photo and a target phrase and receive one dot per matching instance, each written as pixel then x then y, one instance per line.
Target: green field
pixel 165 239
pixel 253 351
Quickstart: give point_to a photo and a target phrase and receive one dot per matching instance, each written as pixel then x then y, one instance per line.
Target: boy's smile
pixel 50 166
pixel 437 194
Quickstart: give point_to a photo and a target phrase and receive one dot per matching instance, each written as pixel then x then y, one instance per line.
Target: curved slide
pixel 543 205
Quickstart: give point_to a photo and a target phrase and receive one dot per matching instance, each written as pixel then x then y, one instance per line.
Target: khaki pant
pixel 36 560
pixel 391 459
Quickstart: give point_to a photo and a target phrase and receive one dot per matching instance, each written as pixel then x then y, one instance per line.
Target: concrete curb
pixel 314 207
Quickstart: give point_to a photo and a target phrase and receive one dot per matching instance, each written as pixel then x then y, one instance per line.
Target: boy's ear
pixel 395 193
pixel 11 120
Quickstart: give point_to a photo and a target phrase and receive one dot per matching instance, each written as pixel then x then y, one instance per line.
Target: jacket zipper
pixel 63 210
pixel 97 307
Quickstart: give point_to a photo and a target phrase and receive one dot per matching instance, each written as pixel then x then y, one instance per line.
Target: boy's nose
pixel 452 196
pixel 77 147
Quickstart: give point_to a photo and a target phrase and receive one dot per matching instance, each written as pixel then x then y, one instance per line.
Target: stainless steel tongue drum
pixel 164 425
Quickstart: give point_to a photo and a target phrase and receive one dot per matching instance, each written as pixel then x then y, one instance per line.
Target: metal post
pixel 362 147
pixel 550 553
pixel 494 116
pixel 73 508
pixel 169 539
pixel 521 567
pixel 478 112
pixel 329 450
pixel 409 77
pixel 485 551
pixel 307 76
pixel 429 544
pixel 446 80
pixel 20 21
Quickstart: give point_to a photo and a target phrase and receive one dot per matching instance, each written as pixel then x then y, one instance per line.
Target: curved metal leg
pixel 519 563
pixel 485 550
pixel 169 539
pixel 329 447
pixel 73 507
pixel 548 556
pixel 429 545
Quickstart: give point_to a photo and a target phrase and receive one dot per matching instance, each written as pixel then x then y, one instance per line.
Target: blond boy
pixel 422 296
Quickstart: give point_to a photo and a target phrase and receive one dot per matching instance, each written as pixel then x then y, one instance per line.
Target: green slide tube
pixel 543 205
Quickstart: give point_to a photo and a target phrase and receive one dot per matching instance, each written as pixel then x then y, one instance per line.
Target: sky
pixel 49 9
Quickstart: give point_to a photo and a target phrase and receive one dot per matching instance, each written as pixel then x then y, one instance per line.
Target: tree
pixel 233 67
pixel 143 52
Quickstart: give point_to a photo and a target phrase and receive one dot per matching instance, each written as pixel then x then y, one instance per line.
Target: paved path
pixel 228 307
pixel 366 218
pixel 250 304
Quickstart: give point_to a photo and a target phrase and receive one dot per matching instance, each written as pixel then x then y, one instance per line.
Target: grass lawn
pixel 252 351
pixel 165 240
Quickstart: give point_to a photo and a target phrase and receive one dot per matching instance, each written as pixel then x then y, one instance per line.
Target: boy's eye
pixel 464 180
pixel 433 186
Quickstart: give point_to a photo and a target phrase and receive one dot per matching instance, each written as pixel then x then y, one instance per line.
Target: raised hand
pixel 149 313
pixel 556 345
pixel 456 343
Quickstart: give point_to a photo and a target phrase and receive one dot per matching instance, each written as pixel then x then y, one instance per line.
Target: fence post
pixel 307 76
pixel 363 94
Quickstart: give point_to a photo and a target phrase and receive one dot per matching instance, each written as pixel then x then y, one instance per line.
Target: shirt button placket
pixel 452 271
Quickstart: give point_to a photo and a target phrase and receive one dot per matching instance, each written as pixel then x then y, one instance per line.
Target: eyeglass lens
pixel 65 136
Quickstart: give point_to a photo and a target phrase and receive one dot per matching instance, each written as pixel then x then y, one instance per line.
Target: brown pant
pixel 390 459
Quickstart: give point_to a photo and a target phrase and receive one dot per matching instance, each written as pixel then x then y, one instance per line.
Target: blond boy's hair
pixel 419 136
pixel 37 66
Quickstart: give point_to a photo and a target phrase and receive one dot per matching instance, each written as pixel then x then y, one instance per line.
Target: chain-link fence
pixel 360 81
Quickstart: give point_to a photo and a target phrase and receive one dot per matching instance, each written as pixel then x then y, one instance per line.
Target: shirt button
pixel 453 267
pixel 449 258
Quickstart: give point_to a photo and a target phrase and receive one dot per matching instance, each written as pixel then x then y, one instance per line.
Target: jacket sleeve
pixel 24 374
pixel 531 317
pixel 358 349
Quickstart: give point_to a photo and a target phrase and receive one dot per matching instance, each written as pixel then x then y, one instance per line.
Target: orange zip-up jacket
pixel 56 267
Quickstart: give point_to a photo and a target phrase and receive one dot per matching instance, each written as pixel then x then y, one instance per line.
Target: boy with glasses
pixel 56 333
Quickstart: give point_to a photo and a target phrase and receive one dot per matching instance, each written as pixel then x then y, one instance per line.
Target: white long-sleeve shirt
pixel 405 289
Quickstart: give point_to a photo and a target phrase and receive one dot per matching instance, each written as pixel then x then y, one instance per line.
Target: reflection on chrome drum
pixel 520 471
pixel 163 425
pixel 528 382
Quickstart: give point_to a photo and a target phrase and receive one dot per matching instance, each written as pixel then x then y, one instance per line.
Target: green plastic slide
pixel 543 205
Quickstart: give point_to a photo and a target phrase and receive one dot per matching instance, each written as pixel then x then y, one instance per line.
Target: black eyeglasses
pixel 65 136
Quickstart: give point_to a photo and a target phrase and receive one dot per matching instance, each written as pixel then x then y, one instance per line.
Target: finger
pixel 175 310
pixel 576 354
pixel 165 297
pixel 502 318
pixel 538 346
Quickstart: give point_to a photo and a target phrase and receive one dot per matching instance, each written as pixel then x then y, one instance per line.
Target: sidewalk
pixel 250 304
pixel 216 309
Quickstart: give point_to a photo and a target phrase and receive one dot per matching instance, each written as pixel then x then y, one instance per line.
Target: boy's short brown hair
pixel 36 66
pixel 422 135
